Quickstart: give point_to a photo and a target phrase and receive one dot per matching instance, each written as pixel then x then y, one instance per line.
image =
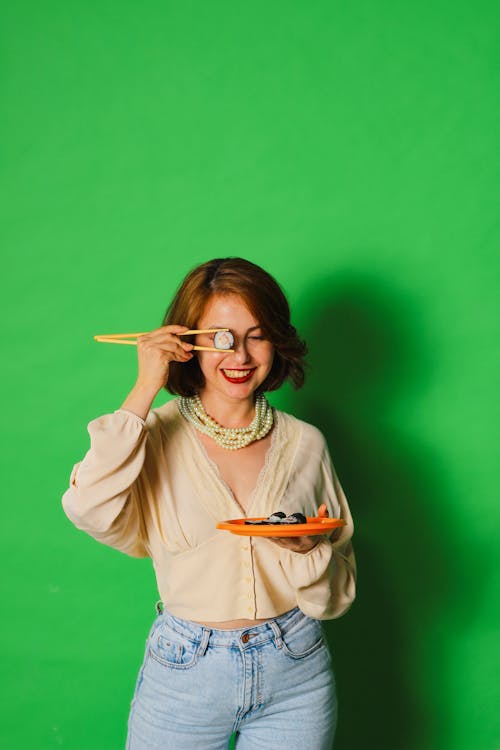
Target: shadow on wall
pixel 367 363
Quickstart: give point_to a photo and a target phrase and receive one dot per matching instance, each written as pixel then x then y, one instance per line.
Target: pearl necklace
pixel 230 438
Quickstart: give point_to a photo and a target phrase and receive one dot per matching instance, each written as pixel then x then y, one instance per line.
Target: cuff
pixel 303 569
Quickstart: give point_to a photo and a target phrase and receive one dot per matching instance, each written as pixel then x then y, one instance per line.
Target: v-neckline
pixel 262 473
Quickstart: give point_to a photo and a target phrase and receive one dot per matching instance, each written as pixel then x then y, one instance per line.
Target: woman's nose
pixel 240 351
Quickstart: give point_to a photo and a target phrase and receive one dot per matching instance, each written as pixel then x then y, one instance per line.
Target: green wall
pixel 350 149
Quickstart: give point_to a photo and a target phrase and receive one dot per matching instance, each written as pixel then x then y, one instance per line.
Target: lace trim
pixel 276 440
pixel 272 451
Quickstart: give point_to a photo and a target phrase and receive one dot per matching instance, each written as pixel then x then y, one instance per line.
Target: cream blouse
pixel 149 489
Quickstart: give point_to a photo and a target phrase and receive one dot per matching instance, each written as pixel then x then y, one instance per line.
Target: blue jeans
pixel 272 683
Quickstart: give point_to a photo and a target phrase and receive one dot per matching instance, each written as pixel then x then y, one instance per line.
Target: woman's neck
pixel 228 412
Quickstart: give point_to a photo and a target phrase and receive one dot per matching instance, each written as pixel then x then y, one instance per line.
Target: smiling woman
pixel 237 642
pixel 268 310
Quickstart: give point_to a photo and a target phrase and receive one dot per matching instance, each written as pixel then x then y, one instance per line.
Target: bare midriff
pixel 232 624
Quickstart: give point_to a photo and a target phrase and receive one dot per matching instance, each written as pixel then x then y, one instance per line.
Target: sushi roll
pixel 280 518
pixel 294 518
pixel 277 517
pixel 223 340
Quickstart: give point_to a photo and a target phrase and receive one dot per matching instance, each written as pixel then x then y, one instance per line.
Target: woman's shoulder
pixel 166 417
pixel 311 436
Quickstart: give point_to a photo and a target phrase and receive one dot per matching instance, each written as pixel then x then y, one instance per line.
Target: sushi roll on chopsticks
pixel 223 340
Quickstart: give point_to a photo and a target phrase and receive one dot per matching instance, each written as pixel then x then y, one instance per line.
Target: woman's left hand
pixel 301 543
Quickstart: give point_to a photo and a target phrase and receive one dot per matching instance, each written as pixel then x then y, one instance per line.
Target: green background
pixel 350 149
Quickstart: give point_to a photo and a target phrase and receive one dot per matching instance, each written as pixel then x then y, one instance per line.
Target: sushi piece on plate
pixel 279 518
pixel 299 517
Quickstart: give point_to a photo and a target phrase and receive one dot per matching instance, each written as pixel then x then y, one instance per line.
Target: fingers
pixel 166 340
pixel 179 354
pixel 174 351
pixel 171 329
pixel 296 544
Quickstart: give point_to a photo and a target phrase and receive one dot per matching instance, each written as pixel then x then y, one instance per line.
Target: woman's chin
pixel 239 390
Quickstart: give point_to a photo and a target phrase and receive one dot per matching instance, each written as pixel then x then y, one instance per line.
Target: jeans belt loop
pixel 277 633
pixel 204 641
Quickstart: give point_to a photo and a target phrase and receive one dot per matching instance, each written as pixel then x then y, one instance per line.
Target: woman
pixel 237 643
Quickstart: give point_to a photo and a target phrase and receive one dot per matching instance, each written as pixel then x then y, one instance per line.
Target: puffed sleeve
pixel 102 498
pixel 325 577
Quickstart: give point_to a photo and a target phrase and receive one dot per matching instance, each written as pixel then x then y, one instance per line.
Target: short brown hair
pixel 266 301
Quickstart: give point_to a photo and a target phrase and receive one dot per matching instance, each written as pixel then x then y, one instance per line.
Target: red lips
pixel 239 380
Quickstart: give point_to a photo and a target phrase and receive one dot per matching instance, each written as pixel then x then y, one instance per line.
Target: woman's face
pixel 233 374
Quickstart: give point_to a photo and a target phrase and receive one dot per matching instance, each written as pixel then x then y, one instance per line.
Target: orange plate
pixel 313 527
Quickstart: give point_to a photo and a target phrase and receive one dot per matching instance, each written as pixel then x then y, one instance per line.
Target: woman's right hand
pixel 156 350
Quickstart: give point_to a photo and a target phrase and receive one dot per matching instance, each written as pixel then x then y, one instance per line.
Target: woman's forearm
pixel 139 400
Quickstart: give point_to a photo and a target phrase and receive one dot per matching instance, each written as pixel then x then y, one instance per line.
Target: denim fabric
pixel 272 683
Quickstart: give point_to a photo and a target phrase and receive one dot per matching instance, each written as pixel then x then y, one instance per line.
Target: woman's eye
pixel 257 338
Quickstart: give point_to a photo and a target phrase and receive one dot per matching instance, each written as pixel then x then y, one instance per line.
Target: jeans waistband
pixel 275 627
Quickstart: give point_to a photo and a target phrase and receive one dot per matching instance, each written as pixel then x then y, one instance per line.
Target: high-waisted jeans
pixel 273 684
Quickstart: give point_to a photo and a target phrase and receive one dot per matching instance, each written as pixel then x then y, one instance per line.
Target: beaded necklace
pixel 230 438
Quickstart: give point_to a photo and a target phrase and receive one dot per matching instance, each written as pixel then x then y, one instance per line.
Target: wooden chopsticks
pixel 121 338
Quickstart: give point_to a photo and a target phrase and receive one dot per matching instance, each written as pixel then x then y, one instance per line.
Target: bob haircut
pixel 266 301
